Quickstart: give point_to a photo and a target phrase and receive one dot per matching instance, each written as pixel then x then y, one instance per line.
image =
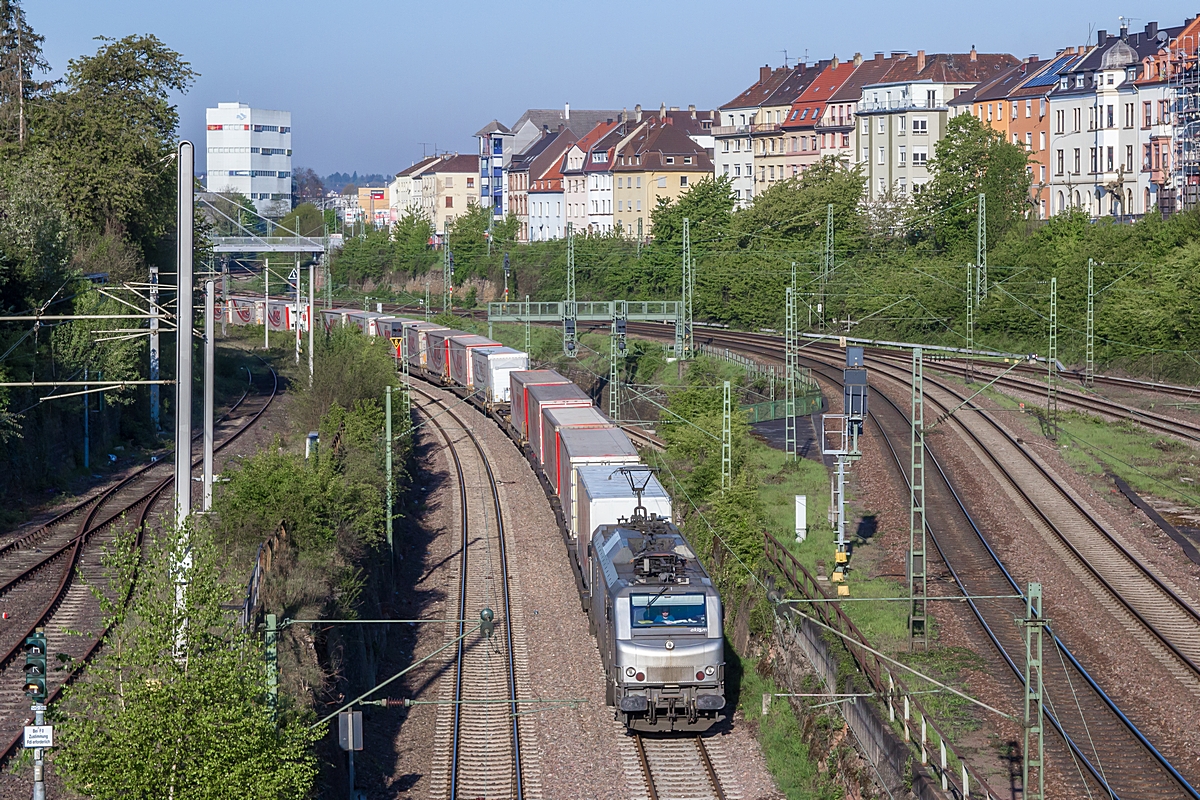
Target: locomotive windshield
pixel 663 610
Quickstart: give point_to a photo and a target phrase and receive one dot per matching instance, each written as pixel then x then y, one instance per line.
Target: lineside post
pixel 183 336
pixel 312 320
pixel 918 629
pixel 827 262
pixel 789 375
pixel 981 250
pixel 155 351
pixel 569 309
pixel 1089 372
pixel 1033 756
pixel 210 354
pixel 727 440
pixel 972 300
pixel 387 449
pixel 271 643
pixel 1052 364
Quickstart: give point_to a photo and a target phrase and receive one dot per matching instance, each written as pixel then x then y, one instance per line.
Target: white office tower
pixel 250 151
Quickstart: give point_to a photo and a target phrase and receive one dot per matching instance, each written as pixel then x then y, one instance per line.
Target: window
pixel 639 205
pixel 1129 115
pixel 726 146
pixel 1109 115
pixel 1094 163
pixel 683 180
pixel 880 156
pixel 1041 140
pixel 1146 114
pixel 903 185
pixel 680 610
pixel 726 169
pixel 1029 139
pixel 620 205
pixel 882 126
pixel 772 173
pixel 920 156
pixel 737 170
pixel 1076 170
pixel 1060 162
pixel 1129 158
pixel 670 159
pixel 1028 109
pixel 639 183
pixel 845 140
pixel 1076 112
pixel 902 155
pixel 1016 139
pixel 1110 160
pixel 687 159
pixel 920 125
pixel 1014 109
pixel 865 126
pixel 449 202
pixel 470 183
pixel 1042 173
pixel 882 186
pixel 931 98
pixel 903 124
pixel 449 182
pixel 662 182
pixel 1146 156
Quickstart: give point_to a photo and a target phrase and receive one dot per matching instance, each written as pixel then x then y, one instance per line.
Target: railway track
pixel 1114 755
pixel 479 735
pixel 677 768
pixel 47 575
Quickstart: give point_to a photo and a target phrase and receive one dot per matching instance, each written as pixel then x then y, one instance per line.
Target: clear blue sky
pixel 367 82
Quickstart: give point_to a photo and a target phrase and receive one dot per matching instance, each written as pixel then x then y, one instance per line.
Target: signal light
pixel 700 675
pixel 35 665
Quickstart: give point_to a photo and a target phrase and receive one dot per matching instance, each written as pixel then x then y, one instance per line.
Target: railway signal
pixel 35 666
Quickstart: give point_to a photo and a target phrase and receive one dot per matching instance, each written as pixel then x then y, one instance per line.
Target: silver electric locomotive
pixel 657 618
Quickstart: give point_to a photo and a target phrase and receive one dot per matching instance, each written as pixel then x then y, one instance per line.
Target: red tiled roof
pixel 817 94
pixel 456 163
pixel 949 67
pixel 769 80
pixel 653 142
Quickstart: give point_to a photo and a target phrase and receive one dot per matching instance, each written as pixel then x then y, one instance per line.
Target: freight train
pixel 653 608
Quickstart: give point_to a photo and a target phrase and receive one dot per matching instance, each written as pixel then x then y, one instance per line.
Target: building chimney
pixel 692 110
pixel 833 63
pixel 637 113
pixel 1151 30
pixel 662 111
pixel 567 111
pixel 1101 38
pixel 974 55
pixel 858 59
pixel 624 115
pixel 920 61
pixel 764 73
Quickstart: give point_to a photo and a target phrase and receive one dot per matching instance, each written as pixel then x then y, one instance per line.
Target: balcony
pixel 730 130
pixel 904 104
pixel 765 127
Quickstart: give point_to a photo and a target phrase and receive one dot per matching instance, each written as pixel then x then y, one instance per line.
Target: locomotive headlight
pixel 670 645
pixel 630 672
pixel 710 670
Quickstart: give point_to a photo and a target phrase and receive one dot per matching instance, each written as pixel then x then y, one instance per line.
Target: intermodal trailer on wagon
pixel 490 370
pixel 437 350
pixel 242 311
pixel 461 365
pixel 519 385
pixel 539 398
pixel 280 315
pixel 557 418
pixel 417 336
pixel 605 496
pixel 582 447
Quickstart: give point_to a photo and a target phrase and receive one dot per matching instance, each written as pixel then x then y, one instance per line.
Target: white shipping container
pixel 605 498
pixel 555 419
pixel 520 383
pixel 280 316
pixel 490 371
pixel 437 347
pixel 460 356
pixel 418 342
pixel 581 447
pixel 539 398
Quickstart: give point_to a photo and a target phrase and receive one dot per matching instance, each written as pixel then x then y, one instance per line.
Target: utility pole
pixel 1033 756
pixel 20 83
pixel 981 250
pixel 789 375
pixel 271 643
pixel 387 444
pixel 155 401
pixel 1052 364
pixel 87 433
pixel 297 274
pixel 918 628
pixel 972 287
pixel 569 309
pixel 266 302
pixel 185 210
pixel 1089 372
pixel 528 326
pixel 639 238
pixel 827 265
pixel 727 440
pixel 312 321
pixel 447 269
pixel 210 352
pixel 224 296
pixel 689 279
pixel 428 280
pixel 616 351
pixel 507 273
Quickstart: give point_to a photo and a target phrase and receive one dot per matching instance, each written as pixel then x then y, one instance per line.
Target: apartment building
pixel 733 154
pixel 805 145
pixel 577 208
pixel 838 123
pixel 901 118
pixel 374 205
pixel 448 188
pixel 655 161
pixel 598 171
pixel 547 211
pixel 767 141
pixel 517 180
pixel 1096 113
pixel 401 195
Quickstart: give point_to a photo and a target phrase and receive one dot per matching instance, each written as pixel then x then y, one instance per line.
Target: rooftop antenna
pixel 424 145
pixel 785 57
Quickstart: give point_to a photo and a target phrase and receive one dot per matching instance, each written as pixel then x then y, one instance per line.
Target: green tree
pixel 152 719
pixel 305 220
pixel 110 135
pixel 20 61
pixel 411 234
pixel 971 159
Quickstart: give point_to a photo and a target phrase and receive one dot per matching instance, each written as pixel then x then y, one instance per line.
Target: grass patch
pixel 787 755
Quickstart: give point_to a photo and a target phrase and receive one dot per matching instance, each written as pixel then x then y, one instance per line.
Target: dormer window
pixel 687 159
pixel 1110 78
pixel 670 159
pixel 1062 84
